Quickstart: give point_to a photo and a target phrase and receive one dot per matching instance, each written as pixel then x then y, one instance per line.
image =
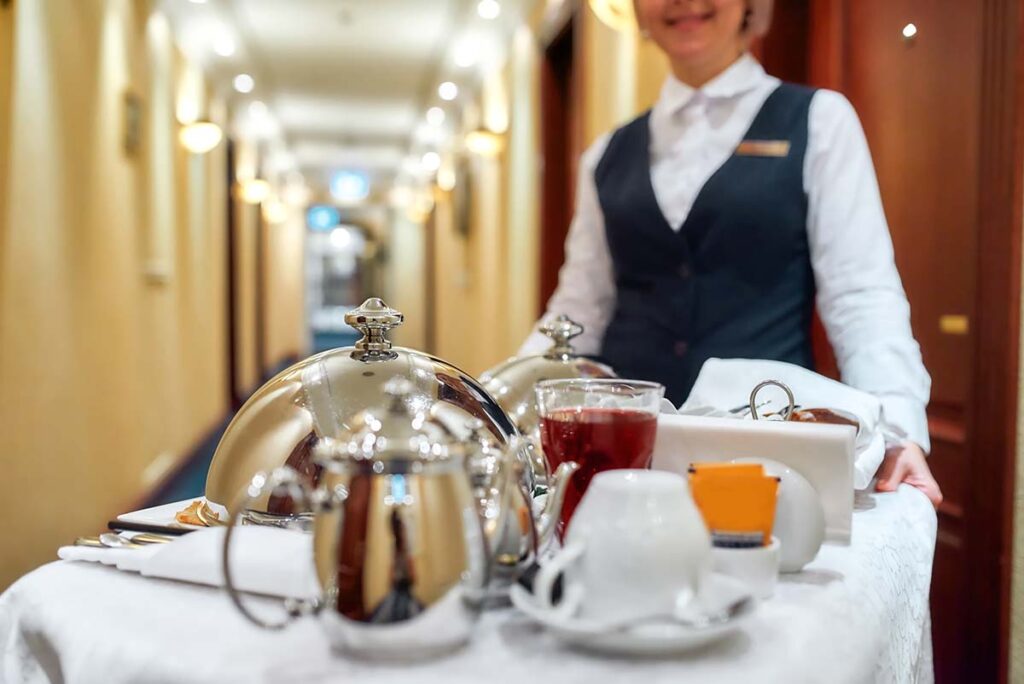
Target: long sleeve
pixel 859 293
pixel 586 285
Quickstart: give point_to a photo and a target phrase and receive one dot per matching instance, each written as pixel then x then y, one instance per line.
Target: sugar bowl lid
pixel 319 399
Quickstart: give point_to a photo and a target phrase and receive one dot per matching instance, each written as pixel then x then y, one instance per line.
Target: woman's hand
pixel 907 463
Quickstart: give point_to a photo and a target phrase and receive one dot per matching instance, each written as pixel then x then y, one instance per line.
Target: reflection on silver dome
pixel 286 418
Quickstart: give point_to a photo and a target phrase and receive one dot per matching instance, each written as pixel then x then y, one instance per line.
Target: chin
pixel 687 50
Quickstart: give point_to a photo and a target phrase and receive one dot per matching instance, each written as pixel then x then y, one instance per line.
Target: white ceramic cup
pixel 636 547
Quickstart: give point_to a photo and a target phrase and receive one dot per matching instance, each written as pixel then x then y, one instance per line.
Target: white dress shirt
pixel 859 294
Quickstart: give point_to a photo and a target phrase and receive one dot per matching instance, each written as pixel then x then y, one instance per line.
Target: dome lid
pixel 512 382
pixel 327 397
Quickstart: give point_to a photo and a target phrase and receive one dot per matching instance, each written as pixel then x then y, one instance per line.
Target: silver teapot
pixel 398 545
pixel 518 526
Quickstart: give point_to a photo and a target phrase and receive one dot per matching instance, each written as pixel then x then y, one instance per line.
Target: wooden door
pixel 560 143
pixel 935 86
pixel 919 135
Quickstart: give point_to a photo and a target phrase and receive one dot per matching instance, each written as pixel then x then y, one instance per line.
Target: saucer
pixel 648 639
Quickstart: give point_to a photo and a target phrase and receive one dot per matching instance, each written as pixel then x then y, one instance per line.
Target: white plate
pixel 651 639
pixel 164 515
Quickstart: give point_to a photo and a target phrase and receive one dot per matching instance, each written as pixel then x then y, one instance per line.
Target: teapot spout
pixel 557 487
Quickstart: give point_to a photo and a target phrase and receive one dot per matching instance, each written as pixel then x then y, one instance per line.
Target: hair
pixel 759 18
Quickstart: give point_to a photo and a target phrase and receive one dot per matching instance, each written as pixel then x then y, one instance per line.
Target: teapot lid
pixel 400 430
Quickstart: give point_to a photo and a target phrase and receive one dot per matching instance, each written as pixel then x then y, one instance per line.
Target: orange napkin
pixel 737 501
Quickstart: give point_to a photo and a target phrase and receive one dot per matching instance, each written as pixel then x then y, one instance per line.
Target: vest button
pixel 680 348
pixel 684 271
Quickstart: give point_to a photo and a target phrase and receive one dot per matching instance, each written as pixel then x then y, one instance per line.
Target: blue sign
pixel 322 217
pixel 350 186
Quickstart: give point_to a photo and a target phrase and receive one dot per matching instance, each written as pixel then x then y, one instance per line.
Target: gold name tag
pixel 764 148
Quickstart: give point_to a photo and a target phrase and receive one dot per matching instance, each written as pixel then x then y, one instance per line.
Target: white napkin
pixel 725 384
pixel 264 560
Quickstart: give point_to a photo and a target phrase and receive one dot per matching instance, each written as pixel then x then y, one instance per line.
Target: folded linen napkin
pixel 724 384
pixel 264 560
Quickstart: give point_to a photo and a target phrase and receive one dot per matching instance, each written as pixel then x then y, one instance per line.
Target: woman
pixel 708 227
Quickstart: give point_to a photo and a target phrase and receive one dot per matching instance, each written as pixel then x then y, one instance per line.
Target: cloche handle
pixel 373 319
pixel 561 329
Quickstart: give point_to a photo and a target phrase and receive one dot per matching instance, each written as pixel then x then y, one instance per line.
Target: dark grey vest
pixel 735 281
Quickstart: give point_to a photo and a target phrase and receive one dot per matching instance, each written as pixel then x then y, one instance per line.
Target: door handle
pixel 954 324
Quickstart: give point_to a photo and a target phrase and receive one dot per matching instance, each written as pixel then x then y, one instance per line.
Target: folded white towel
pixel 264 560
pixel 725 384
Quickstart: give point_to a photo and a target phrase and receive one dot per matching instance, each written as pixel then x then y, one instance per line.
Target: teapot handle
pixel 299 491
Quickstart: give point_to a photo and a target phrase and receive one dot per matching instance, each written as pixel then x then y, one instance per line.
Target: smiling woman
pixel 711 225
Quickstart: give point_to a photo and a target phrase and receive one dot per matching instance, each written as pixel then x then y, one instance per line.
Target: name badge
pixel 763 148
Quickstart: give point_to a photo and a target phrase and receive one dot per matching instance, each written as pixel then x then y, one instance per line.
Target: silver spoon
pixel 700 621
pixel 116 541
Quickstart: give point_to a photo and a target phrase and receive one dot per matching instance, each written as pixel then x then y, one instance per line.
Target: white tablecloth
pixel 857 614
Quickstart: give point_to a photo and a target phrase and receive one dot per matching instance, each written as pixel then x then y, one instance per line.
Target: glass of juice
pixel 602 424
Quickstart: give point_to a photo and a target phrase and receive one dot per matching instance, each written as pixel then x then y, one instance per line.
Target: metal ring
pixel 772 383
pixel 256 488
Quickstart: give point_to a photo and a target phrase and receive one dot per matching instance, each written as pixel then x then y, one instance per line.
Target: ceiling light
pixel 198 2
pixel 488 9
pixel 322 217
pixel 465 55
pixel 275 211
pixel 448 91
pixel 400 196
pixel 431 161
pixel 350 186
pixel 341 238
pixel 435 116
pixel 254 190
pixel 243 83
pixel 484 143
pixel 909 31
pixel 224 45
pixel 200 137
pixel 617 14
pixel 446 178
pixel 257 109
pixel 296 194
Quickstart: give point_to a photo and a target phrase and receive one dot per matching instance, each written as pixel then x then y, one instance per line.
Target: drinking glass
pixel 602 424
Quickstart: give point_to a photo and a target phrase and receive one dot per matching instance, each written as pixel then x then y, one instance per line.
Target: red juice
pixel 598 439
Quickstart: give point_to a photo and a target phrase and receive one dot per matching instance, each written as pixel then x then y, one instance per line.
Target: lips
pixel 688 22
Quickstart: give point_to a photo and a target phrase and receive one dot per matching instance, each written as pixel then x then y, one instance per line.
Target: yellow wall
pixel 112 276
pixel 6 47
pixel 284 322
pixel 608 62
pixel 407 275
pixel 1017 584
pixel 522 261
pixel 487 284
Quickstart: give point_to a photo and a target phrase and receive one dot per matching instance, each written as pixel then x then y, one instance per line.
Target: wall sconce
pixel 616 14
pixel 254 190
pixel 275 211
pixel 200 137
pixel 484 143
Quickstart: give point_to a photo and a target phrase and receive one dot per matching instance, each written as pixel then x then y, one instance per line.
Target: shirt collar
pixel 743 75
